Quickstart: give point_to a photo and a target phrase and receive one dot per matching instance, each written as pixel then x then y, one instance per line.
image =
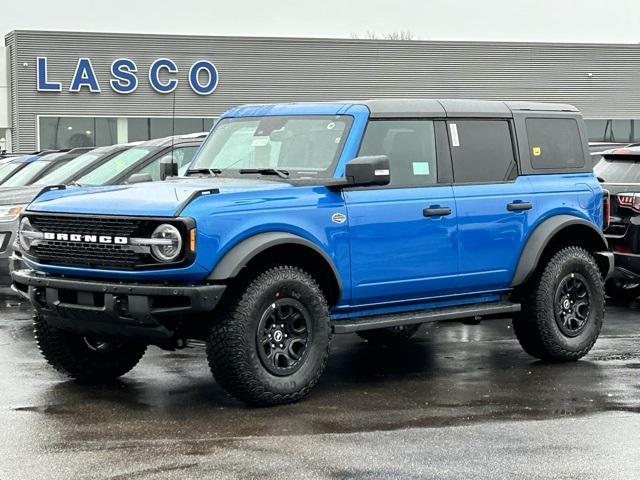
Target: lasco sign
pixel 163 77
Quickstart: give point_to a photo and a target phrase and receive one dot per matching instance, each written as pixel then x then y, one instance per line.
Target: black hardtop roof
pixel 456 107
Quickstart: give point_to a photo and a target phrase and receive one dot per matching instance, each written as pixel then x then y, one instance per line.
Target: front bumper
pixel 153 313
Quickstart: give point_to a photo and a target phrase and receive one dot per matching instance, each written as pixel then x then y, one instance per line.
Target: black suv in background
pixel 619 170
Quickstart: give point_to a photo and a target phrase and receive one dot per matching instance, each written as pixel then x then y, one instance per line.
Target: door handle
pixel 519 206
pixel 436 212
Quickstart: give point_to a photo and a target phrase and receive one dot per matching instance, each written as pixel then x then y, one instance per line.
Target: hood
pixel 18 195
pixel 154 199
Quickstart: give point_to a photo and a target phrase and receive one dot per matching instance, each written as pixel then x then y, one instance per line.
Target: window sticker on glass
pixel 455 139
pixel 260 141
pixel 537 151
pixel 421 168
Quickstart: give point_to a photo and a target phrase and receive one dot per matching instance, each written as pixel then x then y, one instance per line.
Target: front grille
pixel 95 255
pixel 89 255
pixel 91 225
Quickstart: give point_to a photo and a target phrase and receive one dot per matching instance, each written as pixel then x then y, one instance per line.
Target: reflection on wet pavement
pixel 451 375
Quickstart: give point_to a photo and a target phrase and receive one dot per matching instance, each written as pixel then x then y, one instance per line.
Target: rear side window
pixel 554 143
pixel 482 151
pixel 410 146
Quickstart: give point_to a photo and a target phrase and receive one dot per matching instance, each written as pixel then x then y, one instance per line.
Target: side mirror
pixel 168 168
pixel 372 170
pixel 140 178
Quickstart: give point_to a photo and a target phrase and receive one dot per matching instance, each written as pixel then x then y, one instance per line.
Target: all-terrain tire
pixel 241 356
pixel 389 335
pixel 622 291
pixel 84 359
pixel 544 328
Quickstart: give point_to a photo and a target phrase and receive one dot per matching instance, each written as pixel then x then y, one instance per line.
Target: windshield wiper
pixel 265 171
pixel 211 171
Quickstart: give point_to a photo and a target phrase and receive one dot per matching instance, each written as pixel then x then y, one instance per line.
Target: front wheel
pixel 82 358
pixel 271 344
pixel 563 309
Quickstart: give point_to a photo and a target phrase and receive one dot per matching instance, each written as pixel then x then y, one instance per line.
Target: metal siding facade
pixel 265 70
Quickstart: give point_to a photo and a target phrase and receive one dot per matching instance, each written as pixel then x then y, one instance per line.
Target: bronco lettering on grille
pixel 74 237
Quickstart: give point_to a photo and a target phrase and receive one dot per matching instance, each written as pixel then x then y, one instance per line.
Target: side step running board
pixel 424 316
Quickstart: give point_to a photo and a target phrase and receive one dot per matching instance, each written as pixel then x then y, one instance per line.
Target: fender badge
pixel 338 218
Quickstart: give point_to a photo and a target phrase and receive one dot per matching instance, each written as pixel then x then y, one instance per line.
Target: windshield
pixel 302 146
pixel 7 169
pixel 29 173
pixel 65 173
pixel 113 167
pixel 618 171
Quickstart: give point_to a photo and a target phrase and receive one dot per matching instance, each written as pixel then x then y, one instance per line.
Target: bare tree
pixel 399 35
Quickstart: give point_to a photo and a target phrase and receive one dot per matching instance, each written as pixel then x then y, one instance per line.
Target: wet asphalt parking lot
pixel 458 402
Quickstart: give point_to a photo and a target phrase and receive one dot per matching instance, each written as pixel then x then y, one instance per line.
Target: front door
pixel 403 236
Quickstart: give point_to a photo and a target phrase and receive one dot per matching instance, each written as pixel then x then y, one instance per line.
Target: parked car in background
pixel 43 165
pixel 134 162
pixel 619 170
pixel 142 163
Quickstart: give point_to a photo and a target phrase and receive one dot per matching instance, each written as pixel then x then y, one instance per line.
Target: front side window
pixel 305 147
pixel 554 143
pixel 113 167
pixel 482 151
pixel 410 146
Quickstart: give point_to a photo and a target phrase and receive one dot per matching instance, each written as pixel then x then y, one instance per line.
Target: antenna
pixel 173 132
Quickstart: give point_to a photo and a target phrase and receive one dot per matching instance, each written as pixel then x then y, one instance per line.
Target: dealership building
pixel 66 89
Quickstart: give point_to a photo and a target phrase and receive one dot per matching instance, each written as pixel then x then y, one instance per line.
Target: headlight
pixel 10 212
pixel 27 234
pixel 167 243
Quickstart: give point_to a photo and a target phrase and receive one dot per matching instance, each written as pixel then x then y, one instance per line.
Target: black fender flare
pixel 541 237
pixel 237 257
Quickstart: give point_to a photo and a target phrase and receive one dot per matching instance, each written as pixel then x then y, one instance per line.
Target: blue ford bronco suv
pixel 299 221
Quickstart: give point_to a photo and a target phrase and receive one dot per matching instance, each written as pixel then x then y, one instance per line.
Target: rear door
pixel 493 202
pixel 403 236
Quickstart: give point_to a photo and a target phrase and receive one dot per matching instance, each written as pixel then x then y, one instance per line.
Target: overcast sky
pixel 513 20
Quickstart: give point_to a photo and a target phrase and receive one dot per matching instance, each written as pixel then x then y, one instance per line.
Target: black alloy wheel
pixel 283 335
pixel 573 304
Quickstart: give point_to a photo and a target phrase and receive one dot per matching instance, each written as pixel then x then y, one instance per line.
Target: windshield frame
pixel 233 172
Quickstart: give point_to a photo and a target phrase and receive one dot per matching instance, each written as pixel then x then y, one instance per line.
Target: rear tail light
pixel 606 209
pixel 629 200
pixel 622 249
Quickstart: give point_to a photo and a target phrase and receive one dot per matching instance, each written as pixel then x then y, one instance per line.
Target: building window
pixel 149 128
pixel 72 132
pixel 615 131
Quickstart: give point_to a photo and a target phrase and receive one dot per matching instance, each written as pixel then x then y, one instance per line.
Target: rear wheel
pixel 82 358
pixel 271 344
pixel 621 290
pixel 389 335
pixel 563 309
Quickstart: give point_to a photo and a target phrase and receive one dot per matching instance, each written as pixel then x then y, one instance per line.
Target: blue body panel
pixel 388 255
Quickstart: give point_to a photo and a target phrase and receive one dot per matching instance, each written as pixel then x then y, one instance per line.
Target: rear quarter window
pixel 554 144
